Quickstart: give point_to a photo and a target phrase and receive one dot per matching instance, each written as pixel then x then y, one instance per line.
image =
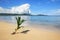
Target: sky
pixel 47 7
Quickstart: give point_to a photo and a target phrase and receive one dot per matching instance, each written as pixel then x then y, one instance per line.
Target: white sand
pixel 34 34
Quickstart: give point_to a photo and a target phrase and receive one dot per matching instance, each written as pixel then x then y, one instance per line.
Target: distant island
pixel 14 14
pixel 41 15
pixel 35 15
pixel 23 14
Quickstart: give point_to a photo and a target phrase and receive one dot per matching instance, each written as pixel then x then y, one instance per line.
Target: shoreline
pixel 34 34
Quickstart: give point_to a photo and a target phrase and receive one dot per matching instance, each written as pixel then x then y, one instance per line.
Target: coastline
pixel 35 33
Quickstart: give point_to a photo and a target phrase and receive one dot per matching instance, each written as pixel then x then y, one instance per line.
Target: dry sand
pixel 34 34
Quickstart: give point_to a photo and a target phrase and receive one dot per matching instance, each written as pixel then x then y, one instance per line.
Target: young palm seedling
pixel 19 22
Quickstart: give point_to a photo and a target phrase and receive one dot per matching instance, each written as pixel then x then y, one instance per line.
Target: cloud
pixel 21 9
pixel 24 8
pixel 3 10
pixel 53 12
pixel 17 9
pixel 56 12
pixel 48 12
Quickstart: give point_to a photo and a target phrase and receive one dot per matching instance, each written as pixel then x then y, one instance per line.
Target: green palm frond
pixel 19 22
pixel 22 21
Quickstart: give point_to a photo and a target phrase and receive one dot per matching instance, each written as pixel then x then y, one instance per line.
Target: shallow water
pixel 46 21
pixel 36 20
pixel 51 20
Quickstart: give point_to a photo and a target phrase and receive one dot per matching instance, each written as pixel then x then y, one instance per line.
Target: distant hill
pixel 26 14
pixel 41 15
pixel 14 14
pixel 17 14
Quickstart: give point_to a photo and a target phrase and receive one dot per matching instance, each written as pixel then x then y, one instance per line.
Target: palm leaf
pixel 22 21
pixel 19 22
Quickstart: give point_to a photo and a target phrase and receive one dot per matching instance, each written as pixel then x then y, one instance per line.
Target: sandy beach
pixel 34 34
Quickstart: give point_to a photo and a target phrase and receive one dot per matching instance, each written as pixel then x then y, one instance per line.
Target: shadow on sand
pixel 24 32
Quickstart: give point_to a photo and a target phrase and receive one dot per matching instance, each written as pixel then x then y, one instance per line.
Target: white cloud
pixel 3 10
pixel 56 12
pixel 21 9
pixel 17 9
pixel 53 12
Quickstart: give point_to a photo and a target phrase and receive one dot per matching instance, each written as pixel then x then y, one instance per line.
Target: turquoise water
pixel 46 20
pixel 41 20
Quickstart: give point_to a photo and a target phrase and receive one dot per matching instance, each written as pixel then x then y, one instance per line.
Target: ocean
pixel 45 20
pixel 36 20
